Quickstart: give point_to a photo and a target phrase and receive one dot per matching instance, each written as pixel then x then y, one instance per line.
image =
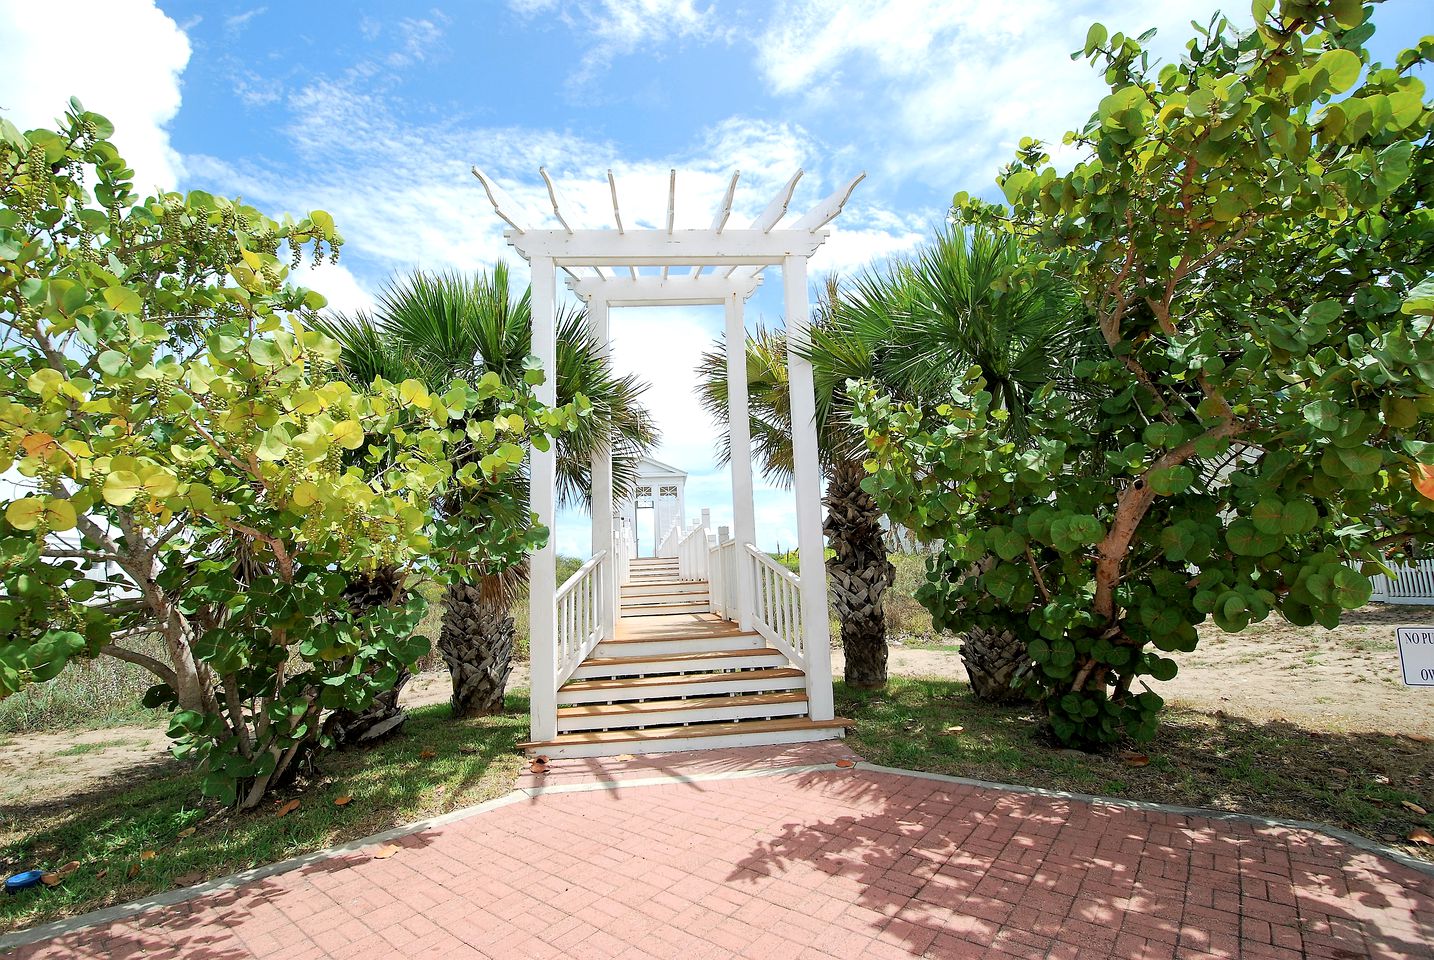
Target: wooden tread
pixel 647 734
pixel 599 710
pixel 678 657
pixel 619 683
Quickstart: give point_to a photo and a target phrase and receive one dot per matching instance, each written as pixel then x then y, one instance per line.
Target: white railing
pixel 1412 583
pixel 692 554
pixel 580 615
pixel 667 547
pixel 777 605
pixel 624 548
pixel 722 579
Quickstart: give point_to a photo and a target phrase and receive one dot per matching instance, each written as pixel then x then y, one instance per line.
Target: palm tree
pixel 912 327
pixel 438 327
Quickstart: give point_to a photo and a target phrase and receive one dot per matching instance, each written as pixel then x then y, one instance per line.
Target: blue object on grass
pixel 22 881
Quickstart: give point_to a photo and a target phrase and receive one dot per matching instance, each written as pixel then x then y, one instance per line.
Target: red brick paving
pixel 811 866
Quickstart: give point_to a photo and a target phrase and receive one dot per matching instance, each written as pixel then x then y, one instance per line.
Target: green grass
pixel 1273 769
pixel 87 695
pixel 99 746
pixel 110 833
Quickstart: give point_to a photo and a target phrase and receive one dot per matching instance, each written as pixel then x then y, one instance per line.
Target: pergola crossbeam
pixel 654 291
pixel 656 248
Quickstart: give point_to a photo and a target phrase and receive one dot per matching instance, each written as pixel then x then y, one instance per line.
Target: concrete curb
pixel 169 898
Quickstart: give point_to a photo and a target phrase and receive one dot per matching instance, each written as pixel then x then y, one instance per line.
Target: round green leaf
pixel 121 487
pixel 1342 67
pixel 25 513
pixel 123 300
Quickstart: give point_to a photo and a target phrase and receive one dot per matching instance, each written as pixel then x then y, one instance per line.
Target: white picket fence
pixel 1412 583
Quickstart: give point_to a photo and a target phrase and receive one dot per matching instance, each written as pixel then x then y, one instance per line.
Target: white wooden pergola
pixel 619 266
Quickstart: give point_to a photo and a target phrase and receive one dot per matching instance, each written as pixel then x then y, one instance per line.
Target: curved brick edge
pixel 169 898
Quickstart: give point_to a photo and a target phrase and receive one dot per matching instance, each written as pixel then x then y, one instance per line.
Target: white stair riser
pixel 604 671
pixel 667 609
pixel 666 718
pixel 670 691
pixel 687 743
pixel 659 648
pixel 673 587
pixel 664 599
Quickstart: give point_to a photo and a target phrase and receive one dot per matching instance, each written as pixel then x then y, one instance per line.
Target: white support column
pixel 543 570
pixel 739 428
pixel 602 501
pixel 807 482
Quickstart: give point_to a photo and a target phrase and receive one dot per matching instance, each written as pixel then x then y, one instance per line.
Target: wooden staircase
pixel 654 589
pixel 680 681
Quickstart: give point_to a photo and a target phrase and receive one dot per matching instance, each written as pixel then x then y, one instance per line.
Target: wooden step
pixel 660 647
pixel 650 588
pixel 694 662
pixel 664 609
pixel 617 689
pixel 740 733
pixel 650 713
pixel 664 600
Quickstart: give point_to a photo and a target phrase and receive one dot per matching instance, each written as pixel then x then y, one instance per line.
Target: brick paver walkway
pixel 819 864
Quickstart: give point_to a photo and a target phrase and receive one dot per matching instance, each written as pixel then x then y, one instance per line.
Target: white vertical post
pixel 807 483
pixel 543 569
pixel 739 428
pixel 602 504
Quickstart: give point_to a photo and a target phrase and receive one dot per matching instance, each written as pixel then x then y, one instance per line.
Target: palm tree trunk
pixel 383 716
pixel 477 644
pixel 860 572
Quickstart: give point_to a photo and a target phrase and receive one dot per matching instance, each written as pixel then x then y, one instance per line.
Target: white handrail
pixel 692 554
pixel 722 579
pixel 624 549
pixel 777 605
pixel 580 615
pixel 667 547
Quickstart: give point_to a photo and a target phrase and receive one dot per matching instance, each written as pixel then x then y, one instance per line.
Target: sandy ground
pixel 1345 680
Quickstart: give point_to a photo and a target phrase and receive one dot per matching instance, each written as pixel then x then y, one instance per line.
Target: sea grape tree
pixel 1248 228
pixel 184 463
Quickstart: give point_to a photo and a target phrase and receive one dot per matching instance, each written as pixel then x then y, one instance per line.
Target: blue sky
pixel 375 110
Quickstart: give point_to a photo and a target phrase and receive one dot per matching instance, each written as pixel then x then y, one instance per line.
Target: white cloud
pixel 139 93
pixel 337 283
pixel 615 28
pixel 946 88
pixel 234 24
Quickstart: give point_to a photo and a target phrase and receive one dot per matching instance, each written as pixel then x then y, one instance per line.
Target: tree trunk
pixel 992 659
pixel 860 572
pixel 383 716
pixel 477 644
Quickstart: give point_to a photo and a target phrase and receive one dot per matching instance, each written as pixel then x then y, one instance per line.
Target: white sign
pixel 1416 655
